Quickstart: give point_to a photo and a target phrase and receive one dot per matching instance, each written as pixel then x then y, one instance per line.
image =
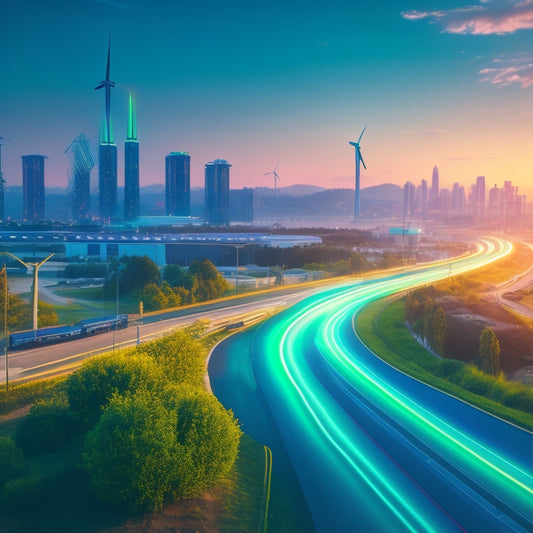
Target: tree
pixel 176 276
pixel 358 263
pixel 489 352
pixel 130 454
pixel 91 387
pixel 208 284
pixel 434 326
pixel 137 273
pixel 47 315
pixel 10 459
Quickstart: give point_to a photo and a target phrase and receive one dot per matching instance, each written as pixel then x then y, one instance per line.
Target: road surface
pixel 374 449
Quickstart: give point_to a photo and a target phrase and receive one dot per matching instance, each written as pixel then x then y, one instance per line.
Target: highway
pixel 373 449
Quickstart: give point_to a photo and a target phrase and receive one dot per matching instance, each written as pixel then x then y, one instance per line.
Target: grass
pixel 381 326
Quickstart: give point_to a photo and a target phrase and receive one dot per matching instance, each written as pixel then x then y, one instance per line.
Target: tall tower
pixel 178 184
pixel 217 192
pixel 131 167
pixel 434 192
pixel 33 187
pixel 82 163
pixel 480 196
pixel 2 181
pixel 107 153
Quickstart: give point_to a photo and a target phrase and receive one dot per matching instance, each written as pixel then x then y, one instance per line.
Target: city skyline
pixel 449 88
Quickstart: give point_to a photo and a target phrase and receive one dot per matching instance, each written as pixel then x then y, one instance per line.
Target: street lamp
pixel 35 291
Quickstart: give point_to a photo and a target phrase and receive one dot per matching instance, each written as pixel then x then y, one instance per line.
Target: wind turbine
pixel 107 84
pixel 275 174
pixel 358 158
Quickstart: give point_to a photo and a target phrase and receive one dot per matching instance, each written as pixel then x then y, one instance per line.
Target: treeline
pixel 142 425
pixel 428 320
pixel 141 277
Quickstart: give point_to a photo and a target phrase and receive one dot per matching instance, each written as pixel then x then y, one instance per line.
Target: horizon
pixel 450 88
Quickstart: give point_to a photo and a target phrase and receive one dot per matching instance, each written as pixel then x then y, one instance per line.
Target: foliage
pixel 91 387
pixel 22 394
pixel 130 453
pixel 46 314
pixel 137 273
pixel 23 493
pixel 49 426
pixel 358 263
pixel 489 352
pixel 10 459
pixel 208 437
pixel 208 284
pixel 85 270
pixel 416 302
pixel 434 326
pixel 177 276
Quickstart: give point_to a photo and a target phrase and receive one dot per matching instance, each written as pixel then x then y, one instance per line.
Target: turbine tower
pixel 107 84
pixel 358 159
pixel 274 173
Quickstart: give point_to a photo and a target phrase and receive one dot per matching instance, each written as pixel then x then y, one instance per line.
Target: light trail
pixel 374 448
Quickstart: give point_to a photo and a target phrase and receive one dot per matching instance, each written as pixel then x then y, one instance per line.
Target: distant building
pixel 178 184
pixel 33 187
pixel 242 205
pixel 82 163
pixel 423 198
pixel 408 199
pixel 434 191
pixel 217 192
pixel 132 207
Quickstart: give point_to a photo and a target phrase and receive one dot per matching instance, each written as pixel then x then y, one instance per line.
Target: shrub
pixel 129 453
pixel 518 397
pixel 91 387
pixel 450 369
pixel 476 381
pixel 49 426
pixel 10 459
pixel 22 494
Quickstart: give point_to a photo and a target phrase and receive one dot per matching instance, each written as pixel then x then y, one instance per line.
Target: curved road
pixel 374 449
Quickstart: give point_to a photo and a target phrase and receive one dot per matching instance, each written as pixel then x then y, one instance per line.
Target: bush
pixel 518 397
pixel 450 369
pixel 49 426
pixel 10 459
pixel 91 387
pixel 130 452
pixel 208 437
pixel 21 495
pixel 476 381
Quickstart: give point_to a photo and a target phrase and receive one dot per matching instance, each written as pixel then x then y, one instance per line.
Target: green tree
pixel 489 352
pixel 176 276
pixel 91 387
pixel 208 284
pixel 358 263
pixel 435 326
pixel 208 437
pixel 137 273
pixel 130 454
pixel 47 315
pixel 10 459
pixel 153 298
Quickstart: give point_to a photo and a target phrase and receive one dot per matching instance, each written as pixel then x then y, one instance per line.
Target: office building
pixel 33 187
pixel 242 205
pixel 178 184
pixel 131 167
pixel 217 192
pixel 434 192
pixel 82 163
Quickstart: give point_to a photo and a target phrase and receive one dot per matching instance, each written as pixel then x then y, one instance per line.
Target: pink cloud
pixel 491 17
pixel 512 71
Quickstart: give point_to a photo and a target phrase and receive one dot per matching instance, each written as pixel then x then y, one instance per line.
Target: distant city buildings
pixel 33 187
pixel 132 208
pixel 242 205
pixel 217 192
pixel 178 184
pixel 82 163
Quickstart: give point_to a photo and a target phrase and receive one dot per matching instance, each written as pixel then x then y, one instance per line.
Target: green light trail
pixel 308 411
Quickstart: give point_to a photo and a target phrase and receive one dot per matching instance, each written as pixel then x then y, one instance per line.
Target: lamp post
pixel 35 290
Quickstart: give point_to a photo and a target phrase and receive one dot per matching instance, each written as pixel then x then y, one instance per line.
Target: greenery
pixel 86 270
pixel 381 326
pixel 23 394
pixel 10 460
pixel 489 352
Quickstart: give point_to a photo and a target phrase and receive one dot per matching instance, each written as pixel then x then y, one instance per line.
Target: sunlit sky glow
pixel 258 82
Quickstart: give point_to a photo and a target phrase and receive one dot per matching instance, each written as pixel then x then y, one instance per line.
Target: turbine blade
pixel 361 135
pixel 108 59
pixel 276 167
pixel 266 174
pixel 361 158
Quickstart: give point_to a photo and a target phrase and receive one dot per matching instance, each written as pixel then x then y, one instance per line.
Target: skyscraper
pixel 178 184
pixel 2 181
pixel 217 192
pixel 33 187
pixel 107 154
pixel 434 191
pixel 131 167
pixel 480 197
pixel 82 163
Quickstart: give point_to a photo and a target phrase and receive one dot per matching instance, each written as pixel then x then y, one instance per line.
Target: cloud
pixel 510 71
pixel 489 17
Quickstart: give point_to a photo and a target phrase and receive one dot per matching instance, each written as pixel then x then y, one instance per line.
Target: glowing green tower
pixel 131 167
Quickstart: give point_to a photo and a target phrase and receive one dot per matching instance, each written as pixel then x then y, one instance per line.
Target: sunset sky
pixel 257 82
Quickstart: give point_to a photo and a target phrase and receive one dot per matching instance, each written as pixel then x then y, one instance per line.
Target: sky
pixel 291 81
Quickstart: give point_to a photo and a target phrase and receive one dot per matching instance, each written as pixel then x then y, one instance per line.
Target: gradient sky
pixel 257 82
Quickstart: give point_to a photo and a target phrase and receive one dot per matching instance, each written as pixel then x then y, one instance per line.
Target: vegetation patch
pixel 382 327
